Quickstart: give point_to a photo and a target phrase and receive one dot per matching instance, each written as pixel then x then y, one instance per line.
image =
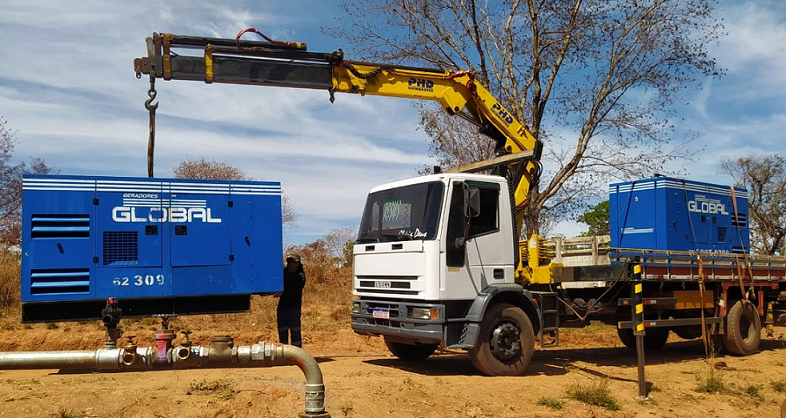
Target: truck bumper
pixel 399 320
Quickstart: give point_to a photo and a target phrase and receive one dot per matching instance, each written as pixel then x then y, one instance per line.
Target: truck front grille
pixel 387 285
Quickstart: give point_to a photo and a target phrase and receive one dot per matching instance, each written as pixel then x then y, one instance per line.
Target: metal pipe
pixel 220 353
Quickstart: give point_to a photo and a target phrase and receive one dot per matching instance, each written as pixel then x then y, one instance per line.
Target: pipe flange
pixel 323 414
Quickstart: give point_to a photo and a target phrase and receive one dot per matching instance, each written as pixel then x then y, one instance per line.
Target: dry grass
pixel 593 392
pixel 549 401
pixel 710 379
pixel 326 306
pixel 10 287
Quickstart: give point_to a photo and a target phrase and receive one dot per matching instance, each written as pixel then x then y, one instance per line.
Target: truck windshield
pixel 402 214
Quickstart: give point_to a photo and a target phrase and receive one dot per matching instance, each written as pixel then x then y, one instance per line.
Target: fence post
pixel 637 313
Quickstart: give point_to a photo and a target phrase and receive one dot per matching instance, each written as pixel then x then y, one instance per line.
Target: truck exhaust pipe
pixel 220 353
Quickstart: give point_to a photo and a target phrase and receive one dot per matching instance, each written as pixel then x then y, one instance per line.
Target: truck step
pixel 551 333
pixel 549 303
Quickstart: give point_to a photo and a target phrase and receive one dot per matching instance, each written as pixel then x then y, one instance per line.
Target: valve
pixel 185 342
pixel 110 316
pixel 129 351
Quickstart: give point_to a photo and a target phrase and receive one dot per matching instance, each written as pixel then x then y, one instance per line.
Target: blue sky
pixel 67 86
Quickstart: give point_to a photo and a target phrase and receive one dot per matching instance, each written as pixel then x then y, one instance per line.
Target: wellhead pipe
pixel 220 353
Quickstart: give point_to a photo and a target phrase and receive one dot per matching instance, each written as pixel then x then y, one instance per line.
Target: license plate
pixel 381 313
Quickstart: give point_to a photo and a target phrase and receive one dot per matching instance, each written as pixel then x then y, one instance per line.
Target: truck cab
pixel 433 254
pixel 422 239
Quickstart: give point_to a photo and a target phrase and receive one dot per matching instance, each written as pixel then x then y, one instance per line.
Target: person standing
pixel 290 301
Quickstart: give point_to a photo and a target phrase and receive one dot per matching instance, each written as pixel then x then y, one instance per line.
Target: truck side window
pixel 454 254
pixel 487 221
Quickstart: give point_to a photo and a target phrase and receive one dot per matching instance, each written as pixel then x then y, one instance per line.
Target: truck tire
pixel 506 342
pixel 411 352
pixel 743 329
pixel 654 338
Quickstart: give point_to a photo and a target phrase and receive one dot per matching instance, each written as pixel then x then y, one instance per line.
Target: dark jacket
pixel 292 296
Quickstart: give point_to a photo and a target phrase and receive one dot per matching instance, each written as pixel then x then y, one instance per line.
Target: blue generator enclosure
pixel 159 246
pixel 664 213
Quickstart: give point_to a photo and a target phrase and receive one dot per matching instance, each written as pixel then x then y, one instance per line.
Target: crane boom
pixel 289 64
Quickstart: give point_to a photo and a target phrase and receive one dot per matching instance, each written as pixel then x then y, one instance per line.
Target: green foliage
pixel 753 390
pixel 778 386
pixel 594 393
pixel 765 178
pixel 552 403
pixel 710 380
pixel 597 218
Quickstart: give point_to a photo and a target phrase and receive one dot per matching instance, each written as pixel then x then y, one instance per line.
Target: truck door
pixel 481 259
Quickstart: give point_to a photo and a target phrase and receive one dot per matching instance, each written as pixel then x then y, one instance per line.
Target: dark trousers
pixel 289 322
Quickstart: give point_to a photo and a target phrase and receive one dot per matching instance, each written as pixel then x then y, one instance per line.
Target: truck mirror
pixel 471 201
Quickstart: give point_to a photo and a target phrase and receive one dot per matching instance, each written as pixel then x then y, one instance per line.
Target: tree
pixel 595 80
pixel 597 218
pixel 339 243
pixel 765 179
pixel 203 169
pixel 11 187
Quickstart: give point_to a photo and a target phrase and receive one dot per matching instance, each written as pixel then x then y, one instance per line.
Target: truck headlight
pixel 424 313
pixel 355 308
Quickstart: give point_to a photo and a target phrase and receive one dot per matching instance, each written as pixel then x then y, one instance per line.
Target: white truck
pixel 439 260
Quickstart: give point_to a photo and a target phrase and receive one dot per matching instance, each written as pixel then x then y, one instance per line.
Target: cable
pixel 589 310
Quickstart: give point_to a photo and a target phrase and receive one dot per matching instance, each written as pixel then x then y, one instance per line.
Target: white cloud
pixel 755 36
pixel 68 87
pixel 69 90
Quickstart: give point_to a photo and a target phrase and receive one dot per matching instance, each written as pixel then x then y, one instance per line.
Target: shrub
pixel 10 284
pixel 710 381
pixel 552 403
pixel 594 393
pixel 778 386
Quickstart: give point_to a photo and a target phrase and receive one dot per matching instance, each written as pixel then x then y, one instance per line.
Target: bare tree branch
pixel 609 71
pixel 220 170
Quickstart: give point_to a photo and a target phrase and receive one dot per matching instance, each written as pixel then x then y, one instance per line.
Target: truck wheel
pixel 506 342
pixel 412 352
pixel 743 329
pixel 654 338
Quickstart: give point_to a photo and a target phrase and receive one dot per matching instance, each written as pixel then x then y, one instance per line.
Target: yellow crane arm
pixel 288 64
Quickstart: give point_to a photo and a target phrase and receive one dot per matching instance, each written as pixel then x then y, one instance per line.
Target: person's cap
pixel 294 257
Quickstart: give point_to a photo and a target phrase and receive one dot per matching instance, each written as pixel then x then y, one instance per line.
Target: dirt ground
pixel 363 380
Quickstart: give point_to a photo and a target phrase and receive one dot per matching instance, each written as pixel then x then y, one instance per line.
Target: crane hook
pixel 151 108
